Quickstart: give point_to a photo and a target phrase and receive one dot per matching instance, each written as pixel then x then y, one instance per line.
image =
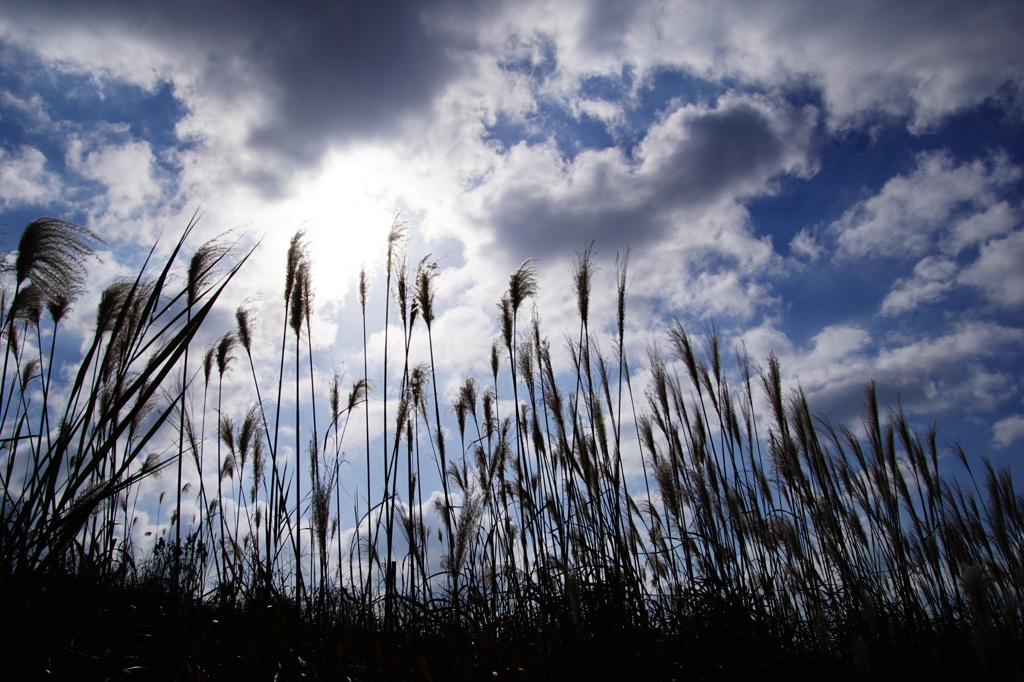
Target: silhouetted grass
pixel 757 543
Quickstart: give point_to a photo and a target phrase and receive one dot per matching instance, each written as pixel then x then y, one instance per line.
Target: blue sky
pixel 840 184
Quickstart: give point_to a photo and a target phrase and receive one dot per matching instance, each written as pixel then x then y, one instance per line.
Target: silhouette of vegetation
pixel 707 524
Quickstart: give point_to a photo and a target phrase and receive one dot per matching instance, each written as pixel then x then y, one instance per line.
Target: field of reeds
pixel 704 525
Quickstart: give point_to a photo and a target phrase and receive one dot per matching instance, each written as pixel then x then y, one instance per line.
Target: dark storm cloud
pixel 694 159
pixel 331 71
pixel 531 225
pixel 605 21
pixel 723 150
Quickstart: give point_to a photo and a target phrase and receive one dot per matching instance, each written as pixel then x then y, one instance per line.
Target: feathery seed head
pixel 29 371
pixel 487 403
pixel 225 346
pixel 112 300
pixel 424 295
pixel 258 462
pixel 28 304
pixel 52 253
pixel 58 306
pixel 358 394
pixel 506 319
pixel 465 404
pixel 302 294
pixel 243 316
pixel 396 235
pixel 524 360
pixel 522 284
pixel 296 256
pixel 364 287
pixel 495 359
pixel 208 360
pixel 227 469
pixel 226 431
pixel 248 433
pixel 151 464
pixel 461 410
pixel 467 393
pixel 419 379
pixel 621 267
pixel 335 398
pixel 201 267
pixel 582 276
pixel 402 291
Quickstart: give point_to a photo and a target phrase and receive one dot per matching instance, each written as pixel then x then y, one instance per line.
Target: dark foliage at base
pixel 80 627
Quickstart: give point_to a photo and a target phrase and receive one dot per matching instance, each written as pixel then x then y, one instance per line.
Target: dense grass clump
pixel 750 539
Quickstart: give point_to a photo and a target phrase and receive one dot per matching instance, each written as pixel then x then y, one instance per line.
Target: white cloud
pixel 677 203
pixel 916 58
pixel 934 369
pixel 24 178
pixel 765 339
pixel 999 270
pixel 734 147
pixel 928 374
pixel 836 364
pixel 938 214
pixel 978 228
pixel 838 342
pixel 725 294
pixel 905 217
pixel 806 246
pixel 32 107
pixel 1007 431
pixel 99 47
pixel 604 110
pixel 933 277
pixel 126 170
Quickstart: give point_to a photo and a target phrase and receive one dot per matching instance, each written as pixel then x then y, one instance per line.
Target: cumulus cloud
pixel 32 108
pixel 699 156
pixel 676 199
pixel 126 170
pixel 699 153
pixel 24 178
pixel 995 221
pixel 319 72
pixel 918 59
pixel 933 277
pixel 1008 431
pixel 805 246
pixel 910 211
pixel 998 270
pixel 927 375
pixel 953 218
pixel 941 371
pixel 296 80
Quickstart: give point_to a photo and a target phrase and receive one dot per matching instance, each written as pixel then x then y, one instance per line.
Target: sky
pixel 839 184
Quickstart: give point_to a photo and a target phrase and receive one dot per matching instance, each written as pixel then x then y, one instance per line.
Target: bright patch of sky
pixel 841 186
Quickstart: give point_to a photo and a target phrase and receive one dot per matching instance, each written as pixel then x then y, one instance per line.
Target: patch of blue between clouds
pixel 103 111
pixel 854 166
pixel 553 121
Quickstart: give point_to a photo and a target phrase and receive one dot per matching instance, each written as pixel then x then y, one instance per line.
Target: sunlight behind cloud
pixel 347 210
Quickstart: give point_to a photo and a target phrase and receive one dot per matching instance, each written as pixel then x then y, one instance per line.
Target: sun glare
pixel 347 211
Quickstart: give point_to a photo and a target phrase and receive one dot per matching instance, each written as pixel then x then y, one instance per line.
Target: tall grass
pixel 579 514
pixel 64 482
